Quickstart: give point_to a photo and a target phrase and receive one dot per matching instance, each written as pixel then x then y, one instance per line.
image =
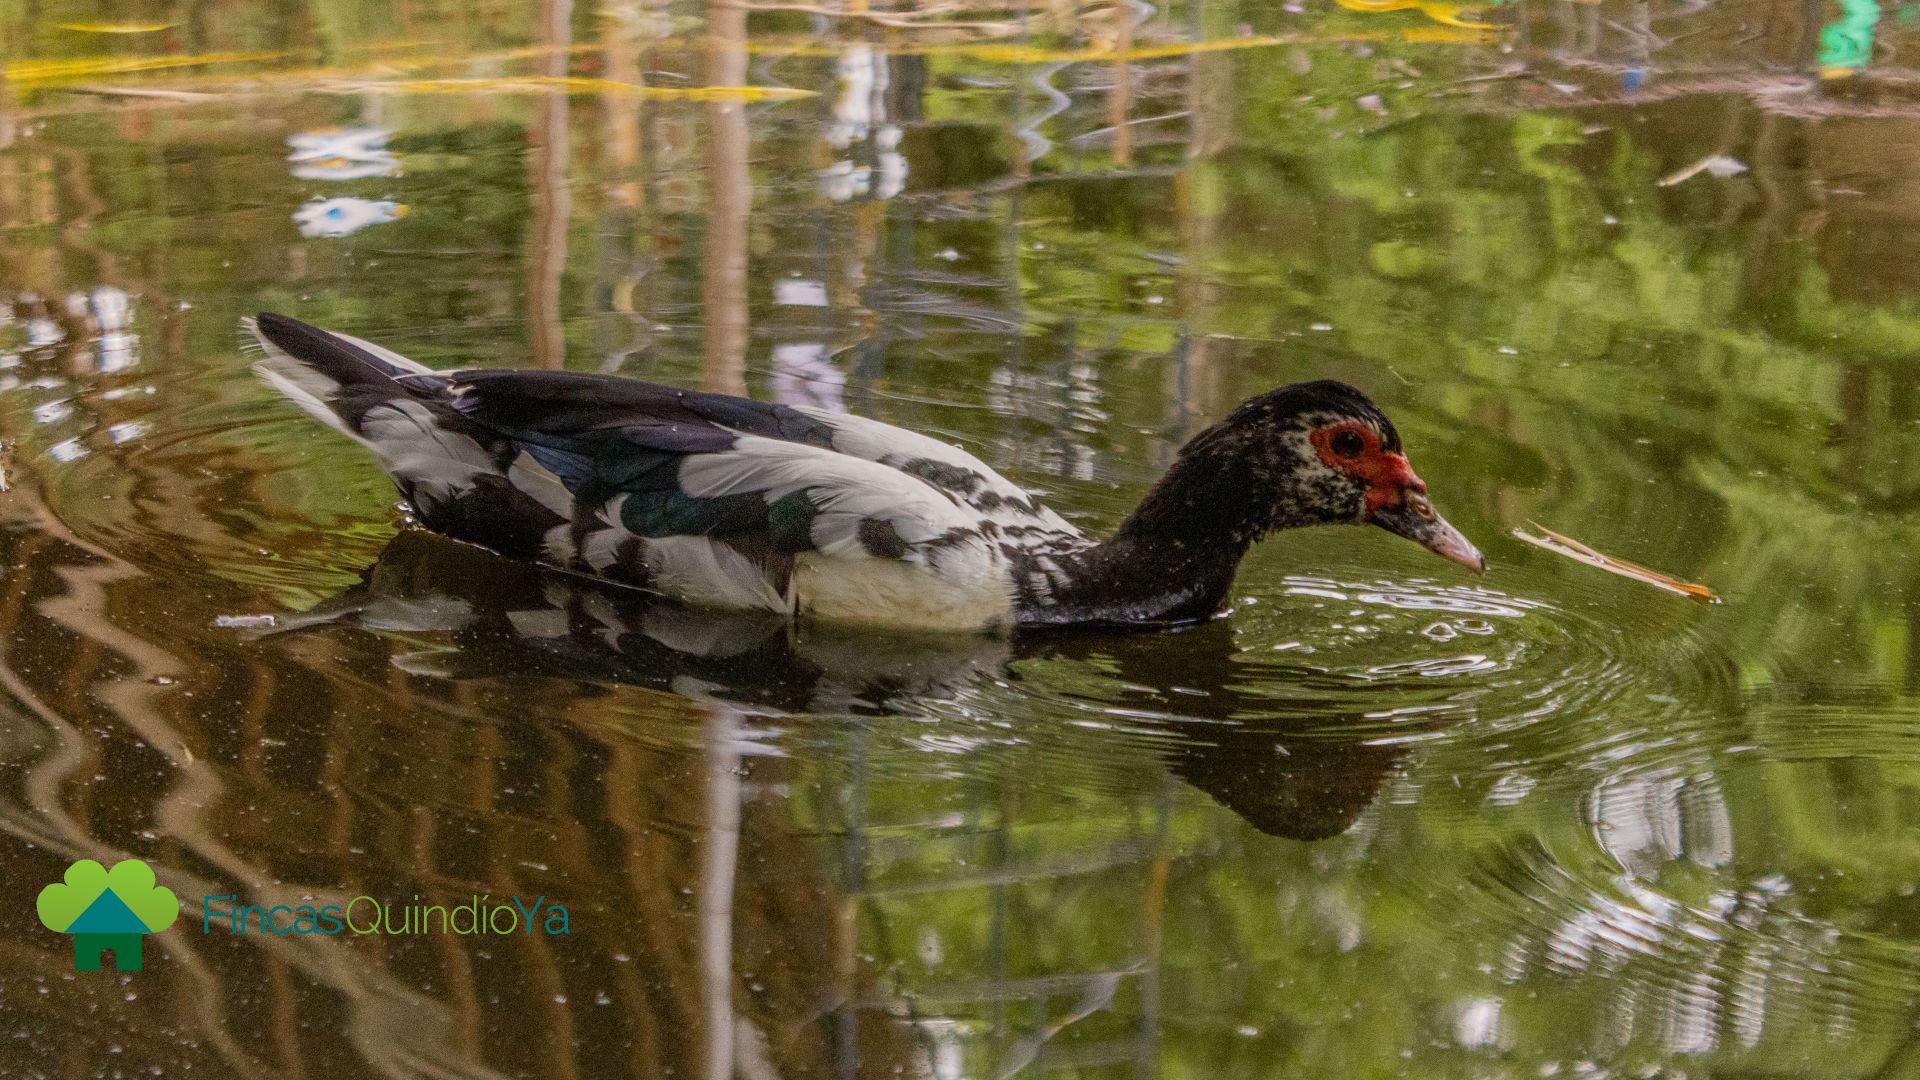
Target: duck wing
pixel 579 403
pixel 733 502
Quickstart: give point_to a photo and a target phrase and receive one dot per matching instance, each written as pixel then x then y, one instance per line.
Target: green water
pixel 1384 819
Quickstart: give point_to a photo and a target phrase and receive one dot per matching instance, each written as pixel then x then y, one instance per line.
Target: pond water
pixel 1631 271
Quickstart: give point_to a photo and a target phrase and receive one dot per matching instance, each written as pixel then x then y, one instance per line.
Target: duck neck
pixel 1175 556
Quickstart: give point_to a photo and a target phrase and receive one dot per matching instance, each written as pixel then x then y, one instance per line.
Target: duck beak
pixel 1414 518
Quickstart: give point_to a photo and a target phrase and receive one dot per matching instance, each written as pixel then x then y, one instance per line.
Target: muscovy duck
pixel 724 501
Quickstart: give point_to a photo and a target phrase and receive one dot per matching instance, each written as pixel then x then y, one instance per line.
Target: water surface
pixel 1632 271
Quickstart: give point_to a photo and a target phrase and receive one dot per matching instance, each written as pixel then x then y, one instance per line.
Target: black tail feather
pixel 336 357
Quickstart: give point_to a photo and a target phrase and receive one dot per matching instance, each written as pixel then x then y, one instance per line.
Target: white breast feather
pixel 969 591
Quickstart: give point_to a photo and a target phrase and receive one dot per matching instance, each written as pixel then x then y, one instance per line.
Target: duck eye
pixel 1347 443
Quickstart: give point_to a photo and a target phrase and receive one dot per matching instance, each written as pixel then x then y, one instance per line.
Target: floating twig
pixel 147 92
pixel 1720 165
pixel 1579 552
pixel 115 28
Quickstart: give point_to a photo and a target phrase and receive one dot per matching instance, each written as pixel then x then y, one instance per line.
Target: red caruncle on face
pixel 1354 448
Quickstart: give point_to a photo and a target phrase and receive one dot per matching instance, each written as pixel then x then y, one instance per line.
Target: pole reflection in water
pixel 717 866
pixel 550 164
pixel 730 202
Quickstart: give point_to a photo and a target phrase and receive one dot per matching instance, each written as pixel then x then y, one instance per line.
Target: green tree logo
pixel 107 909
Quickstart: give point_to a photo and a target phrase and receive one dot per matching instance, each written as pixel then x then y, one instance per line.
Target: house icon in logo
pixel 107 911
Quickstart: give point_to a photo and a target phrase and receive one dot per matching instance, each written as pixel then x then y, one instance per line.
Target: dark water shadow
pixel 1300 776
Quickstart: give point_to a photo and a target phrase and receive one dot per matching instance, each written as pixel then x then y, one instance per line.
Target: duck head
pixel 1334 458
pixel 1316 453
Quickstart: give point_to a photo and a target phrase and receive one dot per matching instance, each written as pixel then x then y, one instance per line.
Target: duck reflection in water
pixel 1293 774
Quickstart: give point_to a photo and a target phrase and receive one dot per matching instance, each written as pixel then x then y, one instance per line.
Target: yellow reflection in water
pixel 570 84
pixel 53 71
pixel 1446 14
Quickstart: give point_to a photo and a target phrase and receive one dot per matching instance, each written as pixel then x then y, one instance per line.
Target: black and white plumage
pixel 724 501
